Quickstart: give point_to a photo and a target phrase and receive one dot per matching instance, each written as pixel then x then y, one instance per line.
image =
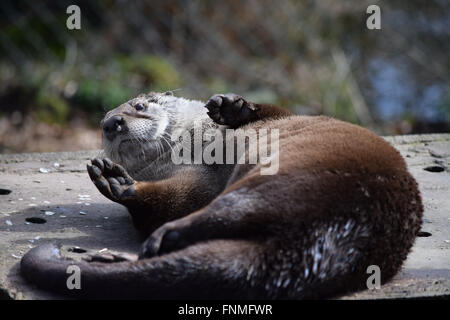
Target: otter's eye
pixel 139 107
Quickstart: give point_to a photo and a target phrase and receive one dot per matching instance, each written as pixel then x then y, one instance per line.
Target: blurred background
pixel 314 57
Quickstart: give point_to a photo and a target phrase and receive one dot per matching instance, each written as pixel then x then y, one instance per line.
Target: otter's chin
pixel 125 142
pixel 127 147
pixel 133 149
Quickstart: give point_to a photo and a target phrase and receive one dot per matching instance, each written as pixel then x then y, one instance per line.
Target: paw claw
pixel 99 163
pixel 108 164
pixel 103 186
pixel 94 172
pixel 217 99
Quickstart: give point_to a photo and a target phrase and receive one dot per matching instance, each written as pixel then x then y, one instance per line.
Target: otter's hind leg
pixel 239 214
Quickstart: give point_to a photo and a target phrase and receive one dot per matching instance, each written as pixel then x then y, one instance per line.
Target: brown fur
pixel 341 201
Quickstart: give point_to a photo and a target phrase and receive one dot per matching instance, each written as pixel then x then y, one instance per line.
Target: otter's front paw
pixel 230 109
pixel 111 180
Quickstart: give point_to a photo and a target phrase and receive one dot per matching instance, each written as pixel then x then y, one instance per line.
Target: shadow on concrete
pixel 98 225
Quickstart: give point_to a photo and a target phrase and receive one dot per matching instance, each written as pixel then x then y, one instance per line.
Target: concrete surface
pixel 55 187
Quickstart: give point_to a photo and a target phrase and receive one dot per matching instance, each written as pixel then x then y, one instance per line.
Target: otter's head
pixel 139 131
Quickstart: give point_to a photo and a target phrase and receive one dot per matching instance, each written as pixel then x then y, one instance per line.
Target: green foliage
pixel 124 77
pixel 94 95
pixel 217 85
pixel 158 73
pixel 51 109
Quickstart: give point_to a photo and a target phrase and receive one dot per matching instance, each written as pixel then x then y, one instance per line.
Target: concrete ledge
pixel 54 187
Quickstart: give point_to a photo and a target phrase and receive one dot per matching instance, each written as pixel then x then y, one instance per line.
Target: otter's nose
pixel 113 126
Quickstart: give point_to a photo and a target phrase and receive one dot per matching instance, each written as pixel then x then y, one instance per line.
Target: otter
pixel 341 201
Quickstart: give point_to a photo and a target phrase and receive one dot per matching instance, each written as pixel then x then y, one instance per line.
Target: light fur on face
pixel 148 138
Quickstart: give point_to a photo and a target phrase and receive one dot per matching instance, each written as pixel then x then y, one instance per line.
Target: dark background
pixel 314 57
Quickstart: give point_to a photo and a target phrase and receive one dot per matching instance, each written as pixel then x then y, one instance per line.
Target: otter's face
pixel 139 131
pixel 136 129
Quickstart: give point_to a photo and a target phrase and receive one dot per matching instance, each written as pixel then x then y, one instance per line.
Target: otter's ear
pixel 168 93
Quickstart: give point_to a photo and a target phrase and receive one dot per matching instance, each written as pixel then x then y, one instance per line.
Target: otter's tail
pixel 196 272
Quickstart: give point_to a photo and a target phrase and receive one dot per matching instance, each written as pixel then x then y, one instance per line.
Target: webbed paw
pixel 230 109
pixel 112 180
